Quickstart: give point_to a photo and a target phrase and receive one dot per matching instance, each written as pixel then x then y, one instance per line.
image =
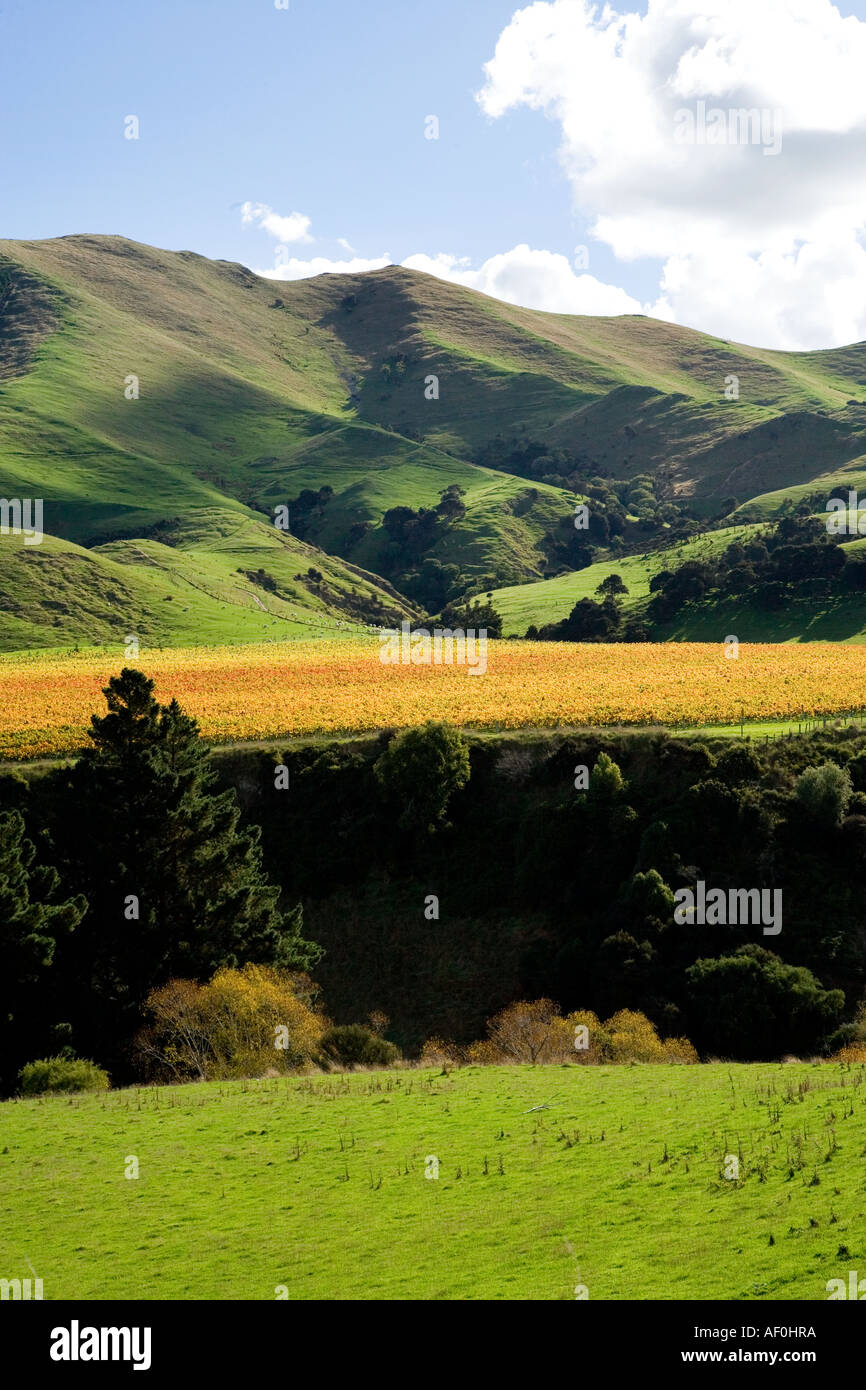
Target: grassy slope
pixel 803 620
pixel 251 390
pixel 319 1185
pixel 59 594
pixel 549 600
pixel 244 400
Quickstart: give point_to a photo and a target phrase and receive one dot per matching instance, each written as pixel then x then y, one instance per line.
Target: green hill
pixel 163 405
pixel 550 600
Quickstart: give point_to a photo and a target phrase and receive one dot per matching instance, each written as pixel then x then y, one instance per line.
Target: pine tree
pixel 175 882
pixel 30 926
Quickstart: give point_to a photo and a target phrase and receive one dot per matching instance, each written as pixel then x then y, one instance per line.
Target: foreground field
pixel 271 690
pixel 319 1185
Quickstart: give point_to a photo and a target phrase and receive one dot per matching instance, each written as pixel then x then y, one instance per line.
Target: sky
pixel 567 156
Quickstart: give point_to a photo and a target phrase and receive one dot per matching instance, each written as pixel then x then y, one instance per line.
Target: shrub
pixel 850 1037
pixel 352 1044
pixel 436 1052
pixel 535 1032
pixel 633 1038
pixel 245 1022
pixel 596 1036
pixel 421 769
pixel 824 793
pixel 679 1050
pixel 61 1074
pixel 752 1005
pixel 524 1032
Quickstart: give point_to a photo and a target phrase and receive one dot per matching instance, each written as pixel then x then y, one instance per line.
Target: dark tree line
pixel 552 863
pixel 547 889
pixel 166 880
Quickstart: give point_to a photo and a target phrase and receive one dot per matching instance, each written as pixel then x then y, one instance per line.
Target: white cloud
pixel 534 279
pixel 765 248
pixel 294 269
pixel 295 227
pixel 813 295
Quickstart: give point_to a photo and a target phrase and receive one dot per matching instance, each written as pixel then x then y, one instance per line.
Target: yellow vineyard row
pixel 271 690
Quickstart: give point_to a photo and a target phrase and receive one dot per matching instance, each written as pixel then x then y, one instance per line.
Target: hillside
pixel 159 505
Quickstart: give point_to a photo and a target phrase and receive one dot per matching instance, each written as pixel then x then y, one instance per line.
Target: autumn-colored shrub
pixel 633 1038
pixel 535 1032
pixel 436 1052
pixel 588 1039
pixel 249 1022
pixel 680 1050
pixel 527 1032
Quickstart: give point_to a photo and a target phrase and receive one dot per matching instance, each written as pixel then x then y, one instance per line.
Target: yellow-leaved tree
pixel 254 1021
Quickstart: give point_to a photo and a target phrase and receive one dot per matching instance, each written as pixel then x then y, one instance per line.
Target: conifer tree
pixel 31 924
pixel 174 881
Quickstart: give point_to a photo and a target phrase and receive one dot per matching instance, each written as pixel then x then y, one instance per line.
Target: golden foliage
pixel 854 1052
pixel 679 1050
pixel 271 689
pixel 249 1022
pixel 535 1032
pixel 633 1038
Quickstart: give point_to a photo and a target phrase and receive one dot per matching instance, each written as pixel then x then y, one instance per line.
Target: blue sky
pixel 320 110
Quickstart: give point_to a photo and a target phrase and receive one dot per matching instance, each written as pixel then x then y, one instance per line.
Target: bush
pixel 420 770
pixel 436 1052
pixel 250 1022
pixel 61 1074
pixel 851 1037
pixel 535 1032
pixel 824 793
pixel 679 1050
pixel 353 1045
pixel 633 1038
pixel 525 1032
pixel 751 1005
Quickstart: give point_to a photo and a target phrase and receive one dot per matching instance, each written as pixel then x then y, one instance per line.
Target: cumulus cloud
pixel 535 279
pixel 295 227
pixel 761 236
pixel 290 268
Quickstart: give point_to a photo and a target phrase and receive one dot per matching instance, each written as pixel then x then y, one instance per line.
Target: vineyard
pixel 272 690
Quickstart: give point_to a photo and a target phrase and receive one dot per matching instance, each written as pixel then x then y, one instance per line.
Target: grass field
pixel 318 1184
pixel 267 690
pixel 549 600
